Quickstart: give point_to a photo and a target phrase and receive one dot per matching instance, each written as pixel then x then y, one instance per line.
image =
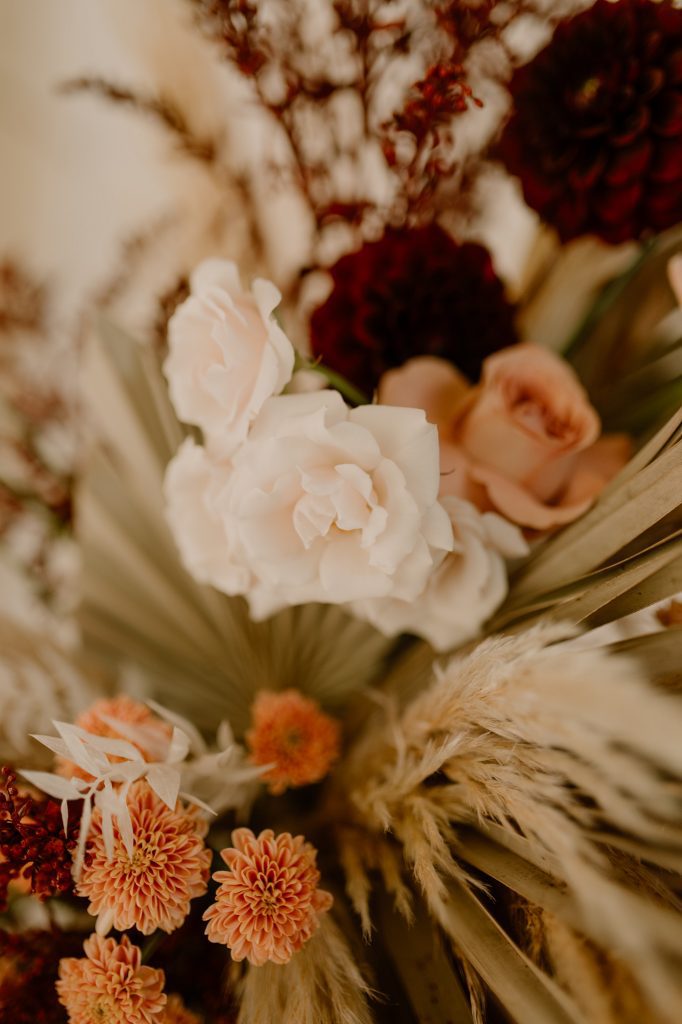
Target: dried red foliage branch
pixel 33 845
pixel 160 108
pixel 313 83
pixel 325 72
pixel 23 300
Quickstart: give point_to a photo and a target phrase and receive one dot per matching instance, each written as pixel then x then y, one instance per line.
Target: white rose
pixel 227 354
pixel 191 485
pixel 333 505
pixel 464 590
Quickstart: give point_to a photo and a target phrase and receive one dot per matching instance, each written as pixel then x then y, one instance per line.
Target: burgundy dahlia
pixel 596 131
pixel 414 292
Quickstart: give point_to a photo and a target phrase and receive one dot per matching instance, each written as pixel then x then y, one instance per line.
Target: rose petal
pixel 519 505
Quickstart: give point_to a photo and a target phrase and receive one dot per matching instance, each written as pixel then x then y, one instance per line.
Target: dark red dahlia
pixel 414 292
pixel 596 131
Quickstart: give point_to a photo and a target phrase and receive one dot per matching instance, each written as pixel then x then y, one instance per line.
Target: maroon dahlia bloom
pixel 596 131
pixel 414 292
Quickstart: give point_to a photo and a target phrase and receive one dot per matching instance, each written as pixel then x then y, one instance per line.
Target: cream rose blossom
pixel 524 443
pixel 193 482
pixel 333 504
pixel 227 354
pixel 466 587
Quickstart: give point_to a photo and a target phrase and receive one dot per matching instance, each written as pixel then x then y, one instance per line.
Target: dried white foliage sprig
pixel 109 781
pixel 177 766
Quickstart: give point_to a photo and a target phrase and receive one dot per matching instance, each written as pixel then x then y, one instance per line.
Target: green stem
pixel 151 945
pixel 335 380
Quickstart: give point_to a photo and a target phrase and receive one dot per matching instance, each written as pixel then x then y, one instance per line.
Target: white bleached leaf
pixel 197 803
pixel 53 743
pixel 165 781
pixel 143 737
pixel 127 771
pixel 108 835
pixel 53 785
pixel 197 745
pixel 82 839
pixel 90 761
pixel 224 735
pixel 179 746
pixel 105 744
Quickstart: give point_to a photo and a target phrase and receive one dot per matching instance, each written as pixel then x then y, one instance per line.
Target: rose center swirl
pixel 340 497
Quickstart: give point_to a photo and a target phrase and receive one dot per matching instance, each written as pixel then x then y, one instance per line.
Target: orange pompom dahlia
pixel 168 868
pixel 292 734
pixel 126 710
pixel 268 904
pixel 177 1013
pixel 110 985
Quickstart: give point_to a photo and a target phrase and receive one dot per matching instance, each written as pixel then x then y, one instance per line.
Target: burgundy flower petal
pixel 413 292
pixel 596 127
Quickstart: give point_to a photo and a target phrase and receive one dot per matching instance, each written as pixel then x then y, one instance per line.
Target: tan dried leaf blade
pixel 533 769
pixel 623 555
pixel 199 648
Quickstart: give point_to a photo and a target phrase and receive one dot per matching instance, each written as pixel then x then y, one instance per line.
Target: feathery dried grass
pixel 322 984
pixel 556 755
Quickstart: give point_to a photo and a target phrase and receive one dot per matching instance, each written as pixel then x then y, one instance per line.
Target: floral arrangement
pixel 368 708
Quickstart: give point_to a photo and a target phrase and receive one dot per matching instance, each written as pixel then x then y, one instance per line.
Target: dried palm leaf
pixel 200 649
pixel 526 771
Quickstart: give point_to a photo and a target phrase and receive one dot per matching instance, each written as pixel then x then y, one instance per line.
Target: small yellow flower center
pixel 293 738
pixel 101 1012
pixel 270 897
pixel 587 92
pixel 144 854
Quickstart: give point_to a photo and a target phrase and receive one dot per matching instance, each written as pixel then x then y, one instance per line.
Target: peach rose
pixel 524 443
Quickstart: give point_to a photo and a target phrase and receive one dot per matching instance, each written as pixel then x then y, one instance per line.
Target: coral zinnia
pixel 168 868
pixel 414 292
pixel 596 131
pixel 268 903
pixel 127 711
pixel 291 733
pixel 110 985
